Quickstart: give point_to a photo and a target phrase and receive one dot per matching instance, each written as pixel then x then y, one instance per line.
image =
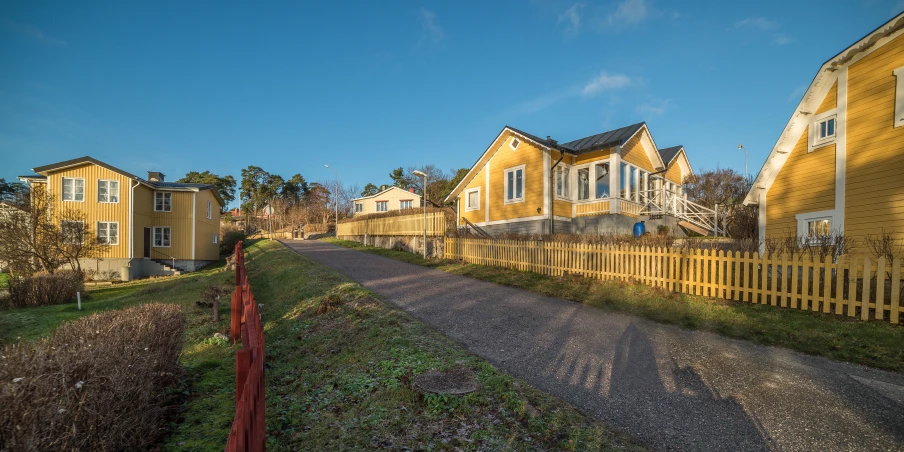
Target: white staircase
pixel 690 215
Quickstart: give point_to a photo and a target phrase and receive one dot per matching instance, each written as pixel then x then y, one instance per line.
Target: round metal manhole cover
pixel 456 381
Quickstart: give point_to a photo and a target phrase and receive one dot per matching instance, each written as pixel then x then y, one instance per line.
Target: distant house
pixel 838 164
pixel 391 198
pixel 602 183
pixel 141 220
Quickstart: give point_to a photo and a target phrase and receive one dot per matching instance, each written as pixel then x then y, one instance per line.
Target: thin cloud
pixel 32 32
pixel 757 24
pixel 654 107
pixel 571 18
pixel 606 82
pixel 781 39
pixel 760 23
pixel 629 12
pixel 430 30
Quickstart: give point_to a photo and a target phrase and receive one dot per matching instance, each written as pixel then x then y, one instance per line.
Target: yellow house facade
pixel 151 227
pixel 602 183
pixel 837 166
pixel 388 199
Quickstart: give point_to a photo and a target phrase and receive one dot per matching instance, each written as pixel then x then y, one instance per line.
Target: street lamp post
pixel 337 199
pixel 424 201
pixel 746 174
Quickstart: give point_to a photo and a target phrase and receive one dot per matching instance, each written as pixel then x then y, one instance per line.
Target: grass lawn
pixel 340 367
pixel 876 343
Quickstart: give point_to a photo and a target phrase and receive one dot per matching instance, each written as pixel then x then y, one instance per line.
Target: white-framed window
pixel 209 210
pixel 583 183
pixel 514 184
pixel 107 191
pixel 108 232
pixel 811 226
pixel 359 207
pixel 215 238
pixel 899 97
pixel 823 129
pixel 382 206
pixel 406 204
pixel 161 236
pixel 73 189
pixel 472 199
pixel 163 201
pixel 514 143
pixel 563 174
pixel 602 180
pixel 72 231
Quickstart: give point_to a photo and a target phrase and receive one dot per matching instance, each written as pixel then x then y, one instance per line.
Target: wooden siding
pixel 674 173
pixel 93 210
pixel 564 208
pixel 634 153
pixel 529 155
pixel 143 207
pixel 588 157
pixel 806 183
pixel 479 215
pixel 874 198
pixel 206 229
pixel 180 222
pixel 830 101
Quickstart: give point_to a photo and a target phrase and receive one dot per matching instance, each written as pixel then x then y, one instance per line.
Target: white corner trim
pixel 467 196
pixel 898 120
pixel 132 219
pixel 547 187
pixel 194 213
pixel 649 146
pixel 761 221
pixel 813 141
pixel 486 211
pixel 841 151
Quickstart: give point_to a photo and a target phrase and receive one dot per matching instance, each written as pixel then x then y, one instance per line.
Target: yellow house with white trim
pixel 602 183
pixel 838 166
pixel 387 199
pixel 148 224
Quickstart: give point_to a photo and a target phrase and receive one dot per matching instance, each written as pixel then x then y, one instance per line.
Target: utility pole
pixel 746 174
pixel 424 201
pixel 336 195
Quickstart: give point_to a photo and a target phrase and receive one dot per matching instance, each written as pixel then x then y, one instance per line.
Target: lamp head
pixel 419 173
pixel 326 166
pixel 740 146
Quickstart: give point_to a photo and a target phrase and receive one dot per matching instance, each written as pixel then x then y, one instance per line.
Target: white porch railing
pixel 667 202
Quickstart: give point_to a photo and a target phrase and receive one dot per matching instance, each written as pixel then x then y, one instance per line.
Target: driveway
pixel 669 387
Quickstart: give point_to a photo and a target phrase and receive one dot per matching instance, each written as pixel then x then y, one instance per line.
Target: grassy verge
pixel 876 344
pixel 340 367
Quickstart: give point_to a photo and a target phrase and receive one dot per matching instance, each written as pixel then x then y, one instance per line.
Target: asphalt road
pixel 671 388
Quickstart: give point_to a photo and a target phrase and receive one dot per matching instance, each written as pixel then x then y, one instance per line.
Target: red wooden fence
pixel 247 432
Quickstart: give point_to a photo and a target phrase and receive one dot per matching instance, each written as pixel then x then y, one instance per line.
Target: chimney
pixel 383 187
pixel 155 176
pixel 549 138
pixel 411 190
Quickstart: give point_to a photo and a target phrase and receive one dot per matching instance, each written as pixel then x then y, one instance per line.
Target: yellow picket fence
pixel 854 286
pixel 397 225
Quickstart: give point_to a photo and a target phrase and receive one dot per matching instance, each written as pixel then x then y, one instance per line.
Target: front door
pixel 147 243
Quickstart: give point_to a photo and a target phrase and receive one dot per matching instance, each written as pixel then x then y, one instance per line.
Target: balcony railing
pixel 606 206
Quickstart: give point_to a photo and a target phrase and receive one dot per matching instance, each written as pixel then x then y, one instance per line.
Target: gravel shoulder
pixel 669 387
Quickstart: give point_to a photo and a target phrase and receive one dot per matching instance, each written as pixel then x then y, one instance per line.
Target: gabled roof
pixel 388 189
pixel 177 186
pixel 590 143
pixel 803 114
pixel 669 154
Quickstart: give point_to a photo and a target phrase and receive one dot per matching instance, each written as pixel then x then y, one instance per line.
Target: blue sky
pixel 369 86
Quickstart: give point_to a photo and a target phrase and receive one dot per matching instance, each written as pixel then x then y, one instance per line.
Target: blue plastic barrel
pixel 639 229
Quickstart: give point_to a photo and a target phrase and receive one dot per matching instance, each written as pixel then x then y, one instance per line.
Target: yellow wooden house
pixel 602 183
pixel 152 227
pixel 838 166
pixel 387 199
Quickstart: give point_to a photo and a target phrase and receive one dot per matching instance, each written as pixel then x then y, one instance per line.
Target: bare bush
pixel 230 235
pixel 44 289
pixel 884 245
pixel 97 383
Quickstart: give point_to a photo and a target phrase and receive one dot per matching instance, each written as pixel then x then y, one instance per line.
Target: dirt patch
pixel 457 381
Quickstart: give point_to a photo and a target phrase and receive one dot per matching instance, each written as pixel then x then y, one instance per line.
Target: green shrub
pixel 96 383
pixel 44 289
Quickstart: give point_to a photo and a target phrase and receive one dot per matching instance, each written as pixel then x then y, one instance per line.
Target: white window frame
pixel 505 184
pixel 377 206
pixel 815 141
pixel 164 194
pixel 804 218
pixel 468 206
pixel 576 190
pixel 899 97
pixel 99 223
pixel 514 143
pixel 108 181
pixel 402 203
pixel 215 238
pixel 359 207
pixel 566 192
pixel 63 190
pixel 209 210
pixel 154 237
pixel 63 235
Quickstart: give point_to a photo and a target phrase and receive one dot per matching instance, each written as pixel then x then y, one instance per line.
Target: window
pixel 108 191
pixel 359 207
pixel 73 189
pixel 823 129
pixel 811 226
pixel 215 239
pixel 899 96
pixel 472 199
pixel 514 184
pixel 602 180
pixel 209 210
pixel 382 206
pixel 562 176
pixel 406 204
pixel 108 232
pixel 514 143
pixel 818 228
pixel 583 184
pixel 163 202
pixel 161 237
pixel 72 231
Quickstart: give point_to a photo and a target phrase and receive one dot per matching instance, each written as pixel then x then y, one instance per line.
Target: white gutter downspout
pixel 194 200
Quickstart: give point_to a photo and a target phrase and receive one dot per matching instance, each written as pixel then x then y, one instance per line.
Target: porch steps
pixel 163 269
pixel 693 227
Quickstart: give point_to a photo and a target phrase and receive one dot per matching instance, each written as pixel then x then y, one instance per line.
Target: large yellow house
pixel 838 166
pixel 602 183
pixel 149 224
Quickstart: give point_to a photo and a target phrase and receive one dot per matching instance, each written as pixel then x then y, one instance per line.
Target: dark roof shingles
pixel 603 140
pixel 668 154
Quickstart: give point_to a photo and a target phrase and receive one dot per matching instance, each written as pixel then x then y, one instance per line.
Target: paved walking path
pixel 669 387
